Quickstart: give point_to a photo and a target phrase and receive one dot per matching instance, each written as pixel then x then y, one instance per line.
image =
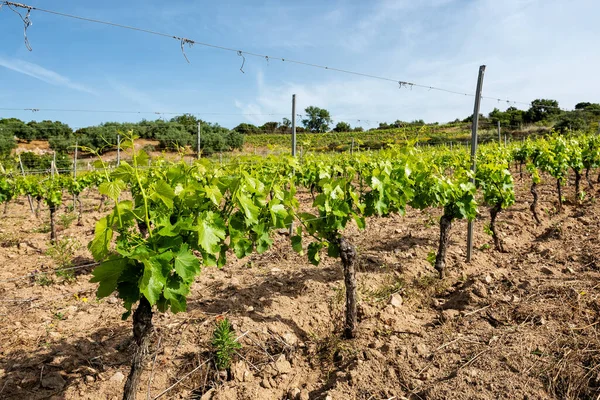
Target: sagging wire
pixel 26 20
pixel 190 43
pixel 239 53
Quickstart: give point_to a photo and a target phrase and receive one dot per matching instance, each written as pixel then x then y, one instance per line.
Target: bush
pixel 7 143
pixel 173 138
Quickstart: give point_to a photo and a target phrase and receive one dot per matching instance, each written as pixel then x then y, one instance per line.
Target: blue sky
pixel 532 49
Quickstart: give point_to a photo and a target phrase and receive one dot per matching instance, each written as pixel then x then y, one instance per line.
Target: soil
pixel 523 324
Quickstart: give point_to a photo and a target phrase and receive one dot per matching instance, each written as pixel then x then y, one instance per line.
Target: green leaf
pixel 242 247
pixel 124 172
pixel 187 265
pixel 99 246
pixel 214 194
pixel 112 189
pixel 176 292
pixel 211 230
pixel 164 192
pixel 297 244
pixel 250 210
pixel 156 270
pixel 313 252
pixel 107 274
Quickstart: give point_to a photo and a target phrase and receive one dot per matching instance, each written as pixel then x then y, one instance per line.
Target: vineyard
pixel 324 275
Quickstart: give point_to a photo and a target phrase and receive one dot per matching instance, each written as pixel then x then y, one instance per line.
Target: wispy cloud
pixel 43 74
pixel 136 96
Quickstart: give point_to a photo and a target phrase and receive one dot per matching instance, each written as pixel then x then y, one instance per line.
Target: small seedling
pixel 431 257
pixel 224 343
pixel 65 220
pixel 487 229
pixel 44 280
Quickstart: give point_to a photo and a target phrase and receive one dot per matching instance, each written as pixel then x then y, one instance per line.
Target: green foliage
pixel 65 220
pixel 542 110
pixel 247 129
pixel 173 138
pixel 183 210
pixel 7 142
pixel 62 252
pixel 571 121
pixel 495 180
pixel 318 119
pixel 342 127
pixel 224 344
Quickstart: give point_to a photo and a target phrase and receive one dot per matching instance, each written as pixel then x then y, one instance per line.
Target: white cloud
pixel 139 97
pixel 532 49
pixel 38 72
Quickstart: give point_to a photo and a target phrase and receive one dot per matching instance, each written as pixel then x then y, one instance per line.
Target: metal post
pixel 293 125
pixel 499 137
pixel 198 139
pixel 505 140
pixel 293 144
pixel 352 147
pixel 28 196
pixel 118 150
pixel 474 152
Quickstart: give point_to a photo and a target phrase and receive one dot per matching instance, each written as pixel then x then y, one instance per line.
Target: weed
pixel 8 239
pixel 44 280
pixel 65 220
pixel 487 229
pixel 394 285
pixel 484 246
pixel 59 316
pixel 62 252
pixel 224 343
pixel 431 257
pixel 43 228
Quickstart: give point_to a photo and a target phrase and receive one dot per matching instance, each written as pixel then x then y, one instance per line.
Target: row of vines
pixel 170 220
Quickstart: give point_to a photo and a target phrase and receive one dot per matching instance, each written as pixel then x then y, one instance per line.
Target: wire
pixel 33 274
pixel 243 53
pixel 134 112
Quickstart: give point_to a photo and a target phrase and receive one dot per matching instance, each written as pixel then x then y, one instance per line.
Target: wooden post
pixel 293 144
pixel 293 125
pixel 499 136
pixel 119 150
pixel 474 152
pixel 75 162
pixel 53 165
pixel 28 196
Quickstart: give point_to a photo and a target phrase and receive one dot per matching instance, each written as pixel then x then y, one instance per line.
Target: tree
pixel 571 121
pixel 247 129
pixel 342 127
pixel 318 119
pixel 46 129
pixel 542 110
pixel 7 142
pixel 17 128
pixel 270 127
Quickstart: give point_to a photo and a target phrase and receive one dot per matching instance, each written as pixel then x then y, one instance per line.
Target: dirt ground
pixel 516 325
